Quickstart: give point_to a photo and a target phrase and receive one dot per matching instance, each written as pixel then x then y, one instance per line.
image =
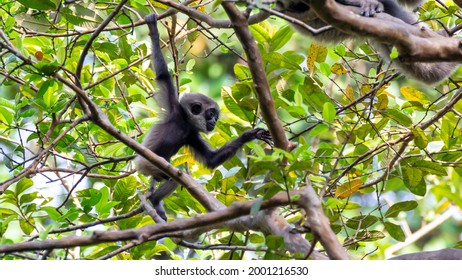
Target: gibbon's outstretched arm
pixel 163 78
pixel 185 118
pixel 427 72
pixel 213 158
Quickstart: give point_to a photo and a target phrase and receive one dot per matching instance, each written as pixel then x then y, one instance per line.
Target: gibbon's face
pixel 202 112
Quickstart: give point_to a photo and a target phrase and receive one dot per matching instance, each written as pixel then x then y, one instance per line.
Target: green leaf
pixel 430 167
pixel 41 5
pixel 395 231
pixel 281 37
pixel 274 242
pixel 50 98
pixel 6 103
pixel 28 197
pixel 190 65
pixel 26 227
pixel 369 235
pixel 412 176
pixel 280 61
pixel 325 69
pixel 242 72
pixel 104 199
pixel 320 128
pixel 90 197
pixel 328 112
pixel 23 185
pixel 398 117
pixel 256 238
pixel 259 33
pixel 48 68
pixel 112 50
pixel 32 23
pixel 420 139
pixel 6 111
pixel 361 222
pixel 296 111
pixel 235 108
pixel 413 179
pixel 396 208
pixel 125 188
pixel 394 53
pixel 313 95
pixel 52 213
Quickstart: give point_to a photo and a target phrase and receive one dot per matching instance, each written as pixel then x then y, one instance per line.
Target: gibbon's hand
pixel 368 8
pixel 264 135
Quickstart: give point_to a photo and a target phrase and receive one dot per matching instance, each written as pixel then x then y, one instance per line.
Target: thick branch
pixel 444 254
pixel 254 60
pixel 319 223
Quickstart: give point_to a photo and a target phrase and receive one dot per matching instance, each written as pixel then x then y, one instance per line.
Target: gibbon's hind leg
pixel 157 195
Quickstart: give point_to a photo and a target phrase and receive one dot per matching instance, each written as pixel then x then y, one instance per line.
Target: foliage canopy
pixel 383 152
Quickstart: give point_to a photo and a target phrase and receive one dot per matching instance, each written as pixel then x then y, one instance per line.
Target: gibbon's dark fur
pixel 184 119
pixel 427 72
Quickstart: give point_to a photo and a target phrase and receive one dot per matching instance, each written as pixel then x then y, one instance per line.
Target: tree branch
pixel 172 228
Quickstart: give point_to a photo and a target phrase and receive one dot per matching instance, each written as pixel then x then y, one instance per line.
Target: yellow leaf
pixel 348 188
pixel 443 207
pixel 383 102
pixel 316 53
pixel 412 94
pixel 338 69
pixel 350 93
pixel 365 89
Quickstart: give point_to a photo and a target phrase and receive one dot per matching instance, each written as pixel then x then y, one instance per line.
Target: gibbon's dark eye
pixel 196 109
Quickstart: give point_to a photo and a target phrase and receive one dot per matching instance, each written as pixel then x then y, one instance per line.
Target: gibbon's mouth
pixel 210 125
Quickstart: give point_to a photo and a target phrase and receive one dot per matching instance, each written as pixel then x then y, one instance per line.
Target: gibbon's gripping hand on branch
pixel 368 8
pixel 260 134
